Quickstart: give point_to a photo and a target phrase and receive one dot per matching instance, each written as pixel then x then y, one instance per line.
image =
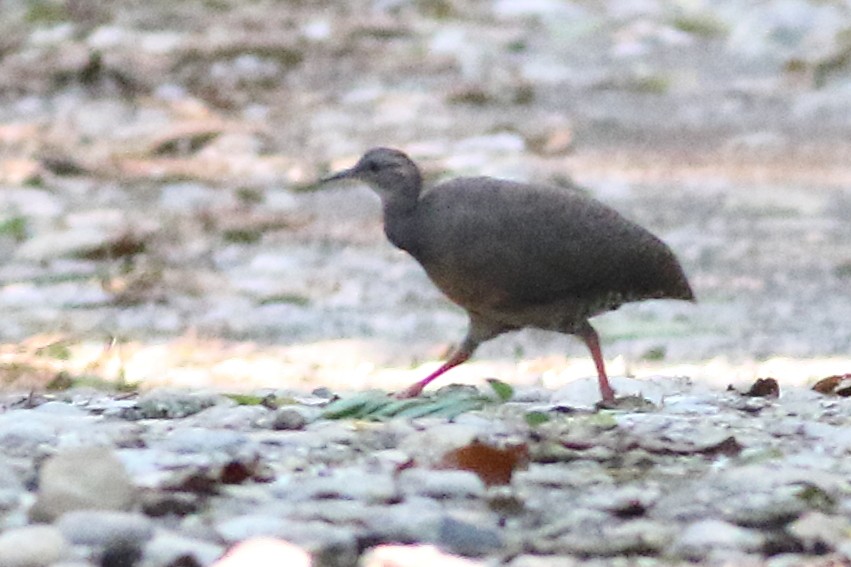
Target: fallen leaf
pixel 535 418
pixel 839 385
pixel 493 465
pixel 764 388
pixel 503 390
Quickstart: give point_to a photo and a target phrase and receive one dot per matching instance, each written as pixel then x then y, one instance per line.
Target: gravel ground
pixel 158 230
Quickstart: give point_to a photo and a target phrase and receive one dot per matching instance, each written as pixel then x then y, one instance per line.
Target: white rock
pixel 414 556
pixel 536 8
pixel 816 529
pixel 32 546
pixel 33 203
pixel 205 441
pixel 23 430
pixel 317 537
pixel 11 487
pixel 59 243
pixel 265 552
pixel 417 518
pixel 189 196
pixel 100 528
pixel 501 142
pixel 441 483
pixel 168 548
pixel 43 36
pixel 349 483
pixel 161 42
pixel 703 537
pixel 107 37
pixel 81 479
pixel 317 30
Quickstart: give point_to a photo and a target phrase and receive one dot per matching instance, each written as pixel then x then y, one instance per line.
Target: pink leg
pixel 589 336
pixel 416 389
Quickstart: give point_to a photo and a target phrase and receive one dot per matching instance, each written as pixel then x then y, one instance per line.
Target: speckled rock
pixel 104 486
pixel 32 546
pixel 441 484
pixel 100 528
pixel 701 539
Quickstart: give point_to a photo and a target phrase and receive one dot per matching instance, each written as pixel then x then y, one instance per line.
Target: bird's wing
pixel 492 240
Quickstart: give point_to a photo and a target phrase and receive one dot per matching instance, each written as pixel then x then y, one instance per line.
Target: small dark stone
pixel 764 388
pixel 158 504
pixel 122 554
pixel 288 419
pixel 631 509
pixel 467 539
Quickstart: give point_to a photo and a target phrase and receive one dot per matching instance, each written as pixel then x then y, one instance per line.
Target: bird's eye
pixel 372 166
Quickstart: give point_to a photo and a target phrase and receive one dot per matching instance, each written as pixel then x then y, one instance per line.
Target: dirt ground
pixel 154 159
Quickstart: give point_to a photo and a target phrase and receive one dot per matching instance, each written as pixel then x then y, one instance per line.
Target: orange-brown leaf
pixel 764 388
pixel 839 384
pixel 493 465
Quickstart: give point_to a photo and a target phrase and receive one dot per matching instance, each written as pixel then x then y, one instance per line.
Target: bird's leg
pixel 587 333
pixel 478 332
pixel 416 389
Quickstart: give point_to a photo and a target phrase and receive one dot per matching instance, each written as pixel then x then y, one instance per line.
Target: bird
pixel 518 255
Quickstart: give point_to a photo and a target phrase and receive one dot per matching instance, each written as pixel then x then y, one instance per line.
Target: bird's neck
pixel 400 225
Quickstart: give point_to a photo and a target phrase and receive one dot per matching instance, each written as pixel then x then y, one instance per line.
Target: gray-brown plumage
pixel 517 255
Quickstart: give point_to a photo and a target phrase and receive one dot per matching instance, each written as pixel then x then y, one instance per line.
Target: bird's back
pixel 491 244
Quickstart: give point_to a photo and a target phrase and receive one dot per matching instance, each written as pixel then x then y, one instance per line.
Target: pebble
pixel 265 552
pixel 818 532
pixel 347 483
pixel 414 556
pixel 166 549
pixel 335 543
pixel 100 528
pixel 289 419
pixel 32 546
pixel 198 440
pixel 701 538
pixel 11 486
pixel 468 539
pixel 188 197
pixel 62 488
pixel 66 243
pixel 162 404
pixel 441 484
pixel 335 484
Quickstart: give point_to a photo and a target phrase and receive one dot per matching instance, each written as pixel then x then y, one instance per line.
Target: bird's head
pixel 389 172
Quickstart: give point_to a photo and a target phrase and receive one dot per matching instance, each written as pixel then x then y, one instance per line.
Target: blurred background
pixel 156 222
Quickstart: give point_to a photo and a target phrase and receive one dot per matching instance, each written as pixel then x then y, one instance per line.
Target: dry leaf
pixel 764 388
pixel 839 385
pixel 493 465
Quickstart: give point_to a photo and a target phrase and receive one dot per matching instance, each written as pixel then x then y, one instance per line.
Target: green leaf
pixel 246 399
pixel 58 350
pixel 346 407
pixel 377 406
pixel 396 406
pixel 420 410
pixel 504 391
pixel 536 418
pixel 816 497
pixel 602 420
pixel 456 407
pixel 372 406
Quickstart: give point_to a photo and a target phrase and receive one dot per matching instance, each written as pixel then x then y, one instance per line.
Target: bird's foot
pixel 627 403
pixel 411 392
